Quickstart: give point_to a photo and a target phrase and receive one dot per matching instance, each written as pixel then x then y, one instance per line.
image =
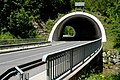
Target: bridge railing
pixel 19 72
pixel 65 61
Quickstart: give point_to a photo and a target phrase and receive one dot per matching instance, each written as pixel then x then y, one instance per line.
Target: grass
pixel 107 74
pixel 102 77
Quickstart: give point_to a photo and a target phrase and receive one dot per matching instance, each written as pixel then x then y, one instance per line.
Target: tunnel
pixel 85 27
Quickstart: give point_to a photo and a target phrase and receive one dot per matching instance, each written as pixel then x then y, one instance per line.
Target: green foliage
pixel 102 77
pixel 51 8
pixel 114 14
pixel 49 24
pixel 6 35
pixel 20 24
pixel 94 77
pixel 69 31
pixel 15 15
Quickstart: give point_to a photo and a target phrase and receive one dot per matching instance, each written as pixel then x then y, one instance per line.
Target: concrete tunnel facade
pixel 85 25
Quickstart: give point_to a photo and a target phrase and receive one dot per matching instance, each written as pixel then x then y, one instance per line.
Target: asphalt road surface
pixel 13 59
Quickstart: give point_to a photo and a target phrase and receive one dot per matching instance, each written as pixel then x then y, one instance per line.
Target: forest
pixel 18 17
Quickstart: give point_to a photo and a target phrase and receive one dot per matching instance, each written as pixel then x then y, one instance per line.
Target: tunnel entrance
pixel 81 27
pixel 84 29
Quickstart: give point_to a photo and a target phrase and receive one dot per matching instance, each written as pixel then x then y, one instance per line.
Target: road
pixel 21 57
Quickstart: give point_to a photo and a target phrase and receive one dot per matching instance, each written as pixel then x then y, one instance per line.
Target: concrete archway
pixel 86 26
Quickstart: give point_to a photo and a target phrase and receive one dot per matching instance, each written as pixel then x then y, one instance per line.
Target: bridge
pixel 65 55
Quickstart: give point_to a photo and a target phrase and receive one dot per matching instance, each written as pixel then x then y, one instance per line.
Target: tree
pixel 20 24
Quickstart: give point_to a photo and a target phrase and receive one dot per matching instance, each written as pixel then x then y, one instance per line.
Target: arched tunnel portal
pixel 85 26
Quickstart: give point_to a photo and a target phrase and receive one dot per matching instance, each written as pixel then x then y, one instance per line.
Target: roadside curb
pixel 2 52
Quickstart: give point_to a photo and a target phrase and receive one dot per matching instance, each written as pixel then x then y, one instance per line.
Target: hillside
pixel 35 18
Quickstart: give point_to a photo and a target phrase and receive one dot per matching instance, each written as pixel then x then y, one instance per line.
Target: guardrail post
pixel 22 46
pixel 21 74
pixel 47 67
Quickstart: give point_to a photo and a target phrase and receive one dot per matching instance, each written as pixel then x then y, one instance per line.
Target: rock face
pixel 111 62
pixel 111 57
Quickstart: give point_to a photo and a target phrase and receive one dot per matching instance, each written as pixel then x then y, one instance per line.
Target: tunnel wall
pixel 86 26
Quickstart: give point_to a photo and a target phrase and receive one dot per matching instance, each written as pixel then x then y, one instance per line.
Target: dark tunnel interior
pixel 85 28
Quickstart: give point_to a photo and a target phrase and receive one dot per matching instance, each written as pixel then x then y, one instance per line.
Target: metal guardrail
pixel 64 61
pixel 21 44
pixel 19 71
pixel 18 41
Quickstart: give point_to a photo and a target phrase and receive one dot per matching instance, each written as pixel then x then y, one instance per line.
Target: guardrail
pixel 18 41
pixel 65 61
pixel 19 71
pixel 41 41
pixel 22 44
